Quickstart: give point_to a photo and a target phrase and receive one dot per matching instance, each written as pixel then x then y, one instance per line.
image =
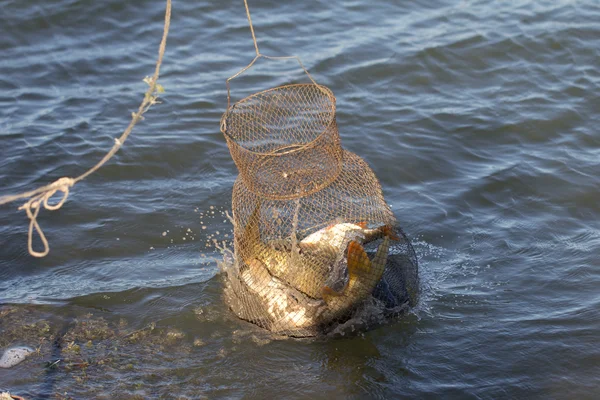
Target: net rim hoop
pixel 330 123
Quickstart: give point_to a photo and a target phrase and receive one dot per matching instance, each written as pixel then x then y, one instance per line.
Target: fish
pixel 292 280
pixel 291 310
pixel 287 308
pixel 363 275
pixel 339 234
pixel 305 268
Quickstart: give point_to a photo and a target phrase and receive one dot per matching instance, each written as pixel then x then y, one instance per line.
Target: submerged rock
pixel 14 356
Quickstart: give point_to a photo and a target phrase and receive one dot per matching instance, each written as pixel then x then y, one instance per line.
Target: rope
pixel 251 28
pixel 260 55
pixel 40 197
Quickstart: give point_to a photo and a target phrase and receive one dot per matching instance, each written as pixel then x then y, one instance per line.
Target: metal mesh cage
pixel 285 141
pixel 314 239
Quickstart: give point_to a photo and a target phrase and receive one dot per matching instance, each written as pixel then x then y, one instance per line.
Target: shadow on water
pixel 354 365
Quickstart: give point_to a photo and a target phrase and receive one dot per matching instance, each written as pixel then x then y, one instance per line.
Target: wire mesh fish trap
pixel 314 240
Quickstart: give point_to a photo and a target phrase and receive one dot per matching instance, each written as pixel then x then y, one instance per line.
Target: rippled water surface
pixel 480 119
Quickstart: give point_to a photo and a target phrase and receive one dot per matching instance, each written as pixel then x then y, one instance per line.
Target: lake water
pixel 480 119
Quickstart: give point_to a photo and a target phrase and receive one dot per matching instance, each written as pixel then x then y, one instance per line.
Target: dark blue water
pixel 480 119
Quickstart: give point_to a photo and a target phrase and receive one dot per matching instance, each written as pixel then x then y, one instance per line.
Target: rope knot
pixel 61 185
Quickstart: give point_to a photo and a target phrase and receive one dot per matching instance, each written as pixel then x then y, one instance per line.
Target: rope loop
pixel 35 203
pixel 34 224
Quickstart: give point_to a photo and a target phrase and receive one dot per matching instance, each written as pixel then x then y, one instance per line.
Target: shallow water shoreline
pixel 478 119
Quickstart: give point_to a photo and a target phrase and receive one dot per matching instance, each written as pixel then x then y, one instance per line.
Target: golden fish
pixel 292 282
pixel 305 268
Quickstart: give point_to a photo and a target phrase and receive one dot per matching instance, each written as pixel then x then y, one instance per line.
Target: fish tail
pixel 380 259
pixel 362 279
pixel 363 273
pixel 359 267
pixel 362 276
pixel 358 261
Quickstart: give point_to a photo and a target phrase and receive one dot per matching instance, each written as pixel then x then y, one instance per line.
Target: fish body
pixel 339 235
pixel 336 235
pixel 288 309
pixel 304 267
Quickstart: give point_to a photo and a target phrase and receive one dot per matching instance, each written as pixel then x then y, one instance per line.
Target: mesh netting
pixel 314 240
pixel 285 141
